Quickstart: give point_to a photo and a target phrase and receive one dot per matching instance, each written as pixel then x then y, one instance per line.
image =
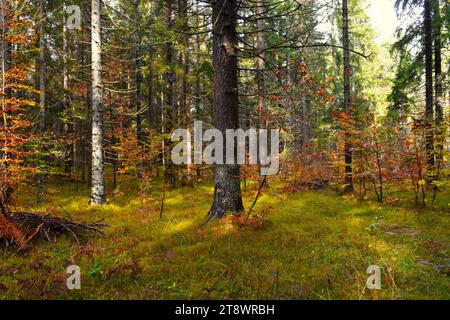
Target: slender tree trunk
pixel 138 84
pixel 4 68
pixel 88 145
pixel 185 87
pixel 198 89
pixel 169 108
pixel 185 62
pixel 5 190
pixel 429 107
pixel 197 105
pixel 67 126
pixel 348 154
pixel 305 136
pixel 82 126
pixel 6 48
pixel 42 73
pixel 42 94
pixel 440 131
pixel 261 63
pixel 151 111
pixel 138 76
pixel 98 183
pixel 162 129
pixel 227 187
pixel 6 94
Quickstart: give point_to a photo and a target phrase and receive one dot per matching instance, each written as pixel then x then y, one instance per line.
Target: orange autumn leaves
pixel 16 98
pixel 9 232
pixel 312 85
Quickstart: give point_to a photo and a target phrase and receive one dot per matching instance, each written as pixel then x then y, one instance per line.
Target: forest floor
pixel 311 245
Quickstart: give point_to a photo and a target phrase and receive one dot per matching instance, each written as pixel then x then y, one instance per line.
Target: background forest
pixel 92 90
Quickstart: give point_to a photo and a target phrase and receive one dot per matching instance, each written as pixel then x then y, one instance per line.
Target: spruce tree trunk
pixel 42 95
pixel 440 131
pixel 261 63
pixel 138 76
pixel 88 145
pixel 429 107
pixel 227 188
pixel 67 127
pixel 152 113
pixel 185 111
pixel 138 84
pixel 169 109
pixel 198 58
pixel 98 183
pixel 6 48
pixel 348 154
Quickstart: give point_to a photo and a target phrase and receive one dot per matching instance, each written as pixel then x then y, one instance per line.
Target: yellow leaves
pixel 380 247
pixel 439 184
pixel 27 88
pixel 421 182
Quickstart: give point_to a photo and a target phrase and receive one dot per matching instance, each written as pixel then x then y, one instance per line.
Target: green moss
pixel 313 245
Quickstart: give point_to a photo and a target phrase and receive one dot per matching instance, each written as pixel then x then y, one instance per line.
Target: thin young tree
pixel 169 109
pixel 42 93
pixel 348 180
pixel 438 85
pixel 429 107
pixel 261 63
pixel 138 74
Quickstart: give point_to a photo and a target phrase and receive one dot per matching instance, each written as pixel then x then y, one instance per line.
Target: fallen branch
pixel 47 227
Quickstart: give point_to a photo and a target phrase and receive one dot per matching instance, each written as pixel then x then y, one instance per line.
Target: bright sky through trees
pixel 383 18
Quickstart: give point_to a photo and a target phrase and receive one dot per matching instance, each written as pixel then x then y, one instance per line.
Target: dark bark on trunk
pixel 152 113
pixel 81 123
pixel 185 62
pixel 67 126
pixel 185 86
pixel 6 47
pixel 5 56
pixel 138 76
pixel 348 154
pixel 169 108
pixel 88 145
pixel 42 95
pixel 261 64
pixel 198 87
pixel 227 188
pixel 429 107
pixel 440 130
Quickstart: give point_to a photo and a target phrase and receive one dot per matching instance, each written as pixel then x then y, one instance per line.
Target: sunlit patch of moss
pixel 178 227
pixel 313 245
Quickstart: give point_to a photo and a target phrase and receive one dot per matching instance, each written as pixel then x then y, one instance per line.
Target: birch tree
pixel 98 181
